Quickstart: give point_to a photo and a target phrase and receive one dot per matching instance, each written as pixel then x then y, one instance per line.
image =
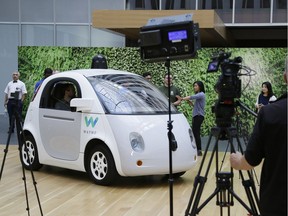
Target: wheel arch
pixel 35 165
pixel 91 144
pixel 27 133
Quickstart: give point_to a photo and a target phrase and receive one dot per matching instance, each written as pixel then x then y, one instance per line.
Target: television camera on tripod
pixel 228 88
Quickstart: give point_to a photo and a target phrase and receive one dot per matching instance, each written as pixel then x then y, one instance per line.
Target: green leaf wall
pixel 267 62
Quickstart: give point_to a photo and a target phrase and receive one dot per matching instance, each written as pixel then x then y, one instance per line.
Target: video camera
pixel 228 86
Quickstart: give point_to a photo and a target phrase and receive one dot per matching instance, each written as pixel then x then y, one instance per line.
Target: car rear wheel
pixel 29 152
pixel 100 165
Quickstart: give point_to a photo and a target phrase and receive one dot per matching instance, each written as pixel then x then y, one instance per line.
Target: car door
pixel 59 129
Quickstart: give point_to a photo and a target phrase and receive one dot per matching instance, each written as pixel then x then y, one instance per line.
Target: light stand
pixel 165 39
pixel 21 141
pixel 171 138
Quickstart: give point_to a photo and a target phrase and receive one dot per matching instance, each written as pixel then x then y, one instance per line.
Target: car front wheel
pixel 100 165
pixel 178 175
pixel 29 152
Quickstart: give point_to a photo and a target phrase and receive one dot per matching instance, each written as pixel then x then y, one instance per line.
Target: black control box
pixel 175 41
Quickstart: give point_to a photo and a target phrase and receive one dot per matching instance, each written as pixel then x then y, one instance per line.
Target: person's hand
pixel 235 160
pixel 179 99
pixel 259 106
pixel 238 162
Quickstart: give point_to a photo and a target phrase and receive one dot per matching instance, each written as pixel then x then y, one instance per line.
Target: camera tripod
pixel 16 118
pixel 224 180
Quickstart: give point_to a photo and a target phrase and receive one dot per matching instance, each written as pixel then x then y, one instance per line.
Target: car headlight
pixel 137 142
pixel 191 138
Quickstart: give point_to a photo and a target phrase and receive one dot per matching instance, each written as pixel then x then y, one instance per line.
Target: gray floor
pixel 4 126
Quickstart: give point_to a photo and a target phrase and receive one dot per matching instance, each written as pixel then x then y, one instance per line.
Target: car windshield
pixel 129 94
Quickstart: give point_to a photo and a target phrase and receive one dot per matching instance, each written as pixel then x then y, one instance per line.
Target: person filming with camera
pixel 15 93
pixel 268 142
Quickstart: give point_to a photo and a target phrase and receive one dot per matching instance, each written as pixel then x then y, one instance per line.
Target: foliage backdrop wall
pixel 267 62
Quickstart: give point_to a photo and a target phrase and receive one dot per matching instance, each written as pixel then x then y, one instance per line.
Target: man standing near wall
pixel 175 98
pixel 15 93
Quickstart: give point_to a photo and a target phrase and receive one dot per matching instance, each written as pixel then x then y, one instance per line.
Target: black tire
pixel 100 165
pixel 176 175
pixel 30 149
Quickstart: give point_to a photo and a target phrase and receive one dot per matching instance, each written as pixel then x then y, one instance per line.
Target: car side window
pixel 58 93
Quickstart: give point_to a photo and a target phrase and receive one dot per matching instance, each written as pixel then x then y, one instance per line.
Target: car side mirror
pixel 82 104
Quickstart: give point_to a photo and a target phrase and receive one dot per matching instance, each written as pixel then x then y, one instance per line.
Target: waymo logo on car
pixel 90 121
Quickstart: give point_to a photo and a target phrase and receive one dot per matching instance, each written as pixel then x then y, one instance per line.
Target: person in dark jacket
pixel 268 142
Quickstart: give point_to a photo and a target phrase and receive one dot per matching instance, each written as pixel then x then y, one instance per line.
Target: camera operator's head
pixel 15 76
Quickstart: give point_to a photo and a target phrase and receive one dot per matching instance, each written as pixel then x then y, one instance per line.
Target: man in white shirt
pixel 15 93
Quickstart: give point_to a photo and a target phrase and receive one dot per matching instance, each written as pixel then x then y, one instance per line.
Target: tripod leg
pixel 21 142
pixel 223 159
pixel 33 178
pixel 18 130
pixel 242 203
pixel 216 192
pixel 11 127
pixel 249 187
pixel 26 192
pixel 197 191
pixel 223 195
pixel 5 152
pixel 200 181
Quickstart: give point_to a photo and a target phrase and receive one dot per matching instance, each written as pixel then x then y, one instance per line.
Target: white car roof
pixel 93 72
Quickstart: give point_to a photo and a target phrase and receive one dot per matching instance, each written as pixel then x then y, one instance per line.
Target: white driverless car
pixel 116 124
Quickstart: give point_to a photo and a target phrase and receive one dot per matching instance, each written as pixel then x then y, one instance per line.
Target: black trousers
pixel 14 107
pixel 196 126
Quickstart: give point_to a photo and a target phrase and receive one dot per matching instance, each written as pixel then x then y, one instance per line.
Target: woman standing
pixel 266 96
pixel 198 111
